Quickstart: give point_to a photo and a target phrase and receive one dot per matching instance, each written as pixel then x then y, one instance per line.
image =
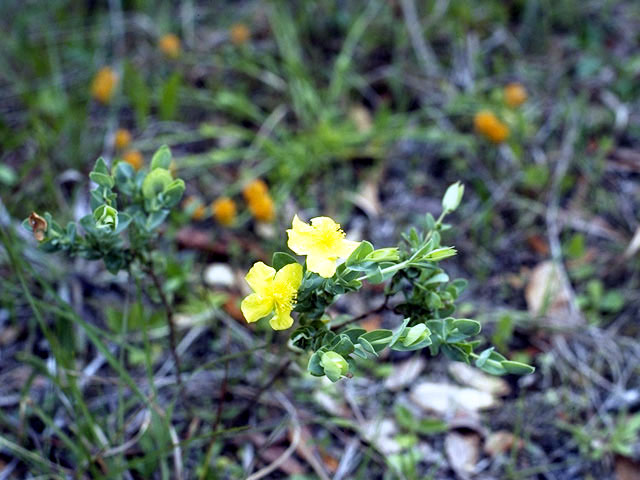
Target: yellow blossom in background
pixel 486 123
pixel 262 208
pixel 195 207
pixel 323 242
pixel 104 84
pixel 274 292
pixel 254 190
pixel 515 94
pixel 134 158
pixel 239 34
pixel 169 44
pixel 224 209
pixel 122 139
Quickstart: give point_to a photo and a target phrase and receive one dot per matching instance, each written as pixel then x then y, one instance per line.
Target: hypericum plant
pixel 128 208
pixel 411 272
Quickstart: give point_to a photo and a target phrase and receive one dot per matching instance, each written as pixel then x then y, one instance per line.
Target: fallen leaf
pixel 405 373
pixel 473 377
pixel 381 434
pixel 372 322
pixel 332 404
pixel 368 198
pixel 231 306
pixel 361 117
pixel 444 398
pixel 547 295
pixel 538 244
pixel 500 442
pixel 634 245
pixel 463 451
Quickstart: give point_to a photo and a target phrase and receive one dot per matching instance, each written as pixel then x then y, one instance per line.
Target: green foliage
pixel 411 272
pixel 128 208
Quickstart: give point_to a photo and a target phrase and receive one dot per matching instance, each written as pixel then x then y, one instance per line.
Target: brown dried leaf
pixel 500 442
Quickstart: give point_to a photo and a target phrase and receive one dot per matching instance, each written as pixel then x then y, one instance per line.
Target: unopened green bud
pixel 452 197
pixel 106 217
pixel 416 334
pixel 156 182
pixel 389 254
pixel 334 364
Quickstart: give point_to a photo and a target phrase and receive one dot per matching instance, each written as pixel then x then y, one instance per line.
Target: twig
pixel 295 424
pixel 283 366
pixel 553 231
pixel 426 57
pixel 172 328
pixel 381 308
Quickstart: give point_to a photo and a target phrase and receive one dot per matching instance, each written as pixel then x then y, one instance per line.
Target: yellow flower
pixel 274 292
pixel 254 190
pixel 122 138
pixel 169 44
pixel 322 242
pixel 239 34
pixel 224 209
pixel 486 123
pixel 134 158
pixel 104 84
pixel 262 208
pixel 515 94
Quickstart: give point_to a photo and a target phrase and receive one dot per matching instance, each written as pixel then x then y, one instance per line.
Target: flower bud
pixel 38 225
pixel 452 197
pixel 334 365
pixel 156 182
pixel 106 217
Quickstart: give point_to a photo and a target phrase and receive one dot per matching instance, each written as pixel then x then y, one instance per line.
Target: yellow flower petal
pixel 346 248
pixel 254 307
pixel 323 266
pixel 288 277
pixel 281 320
pixel 260 278
pixel 301 237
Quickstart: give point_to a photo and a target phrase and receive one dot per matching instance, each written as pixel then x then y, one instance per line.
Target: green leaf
pixel 104 180
pixel 280 259
pixel 162 158
pixel 517 368
pixel 383 255
pixel 173 193
pixel 378 339
pixel 398 332
pixel 135 88
pixel 366 346
pixel 440 254
pixel 467 327
pixel 169 97
pixel 364 249
pixel 342 345
pixel 315 367
pixel 156 182
pixel 155 219
pixel 415 333
pixel 101 167
pixel 354 333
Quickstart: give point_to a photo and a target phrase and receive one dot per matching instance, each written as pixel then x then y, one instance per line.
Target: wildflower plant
pixel 423 293
pixel 128 207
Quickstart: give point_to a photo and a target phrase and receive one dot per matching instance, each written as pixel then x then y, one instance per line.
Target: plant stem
pixel 379 309
pixel 172 328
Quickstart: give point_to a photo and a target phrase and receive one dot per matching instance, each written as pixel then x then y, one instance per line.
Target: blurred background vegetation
pixel 363 111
